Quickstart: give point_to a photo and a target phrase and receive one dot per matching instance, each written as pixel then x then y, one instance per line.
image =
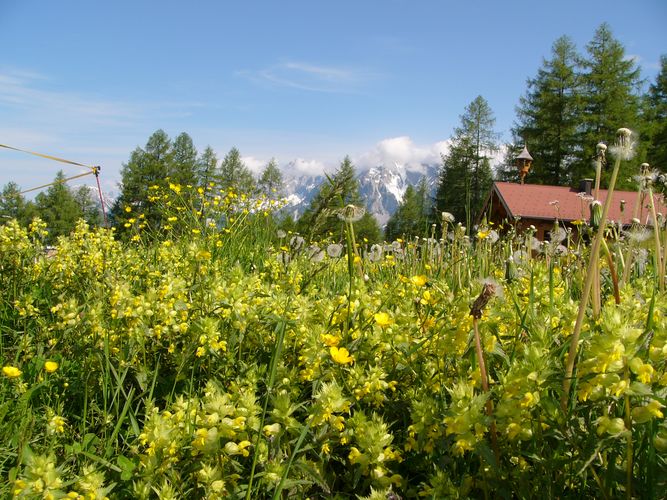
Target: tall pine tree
pixel 412 215
pixel 610 101
pixel 322 217
pixel 14 206
pixel 549 116
pixel 234 174
pixel 466 175
pixel 271 181
pixel 207 166
pixel 147 167
pixel 655 115
pixel 58 208
pixel 183 165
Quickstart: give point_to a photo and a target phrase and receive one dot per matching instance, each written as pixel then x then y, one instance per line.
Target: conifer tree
pixel 234 174
pixel 14 206
pixel 147 167
pixel 466 175
pixel 610 101
pixel 411 217
pixel 655 105
pixel 549 116
pixel 322 217
pixel 271 181
pixel 207 167
pixel 88 204
pixel 183 167
pixel 58 208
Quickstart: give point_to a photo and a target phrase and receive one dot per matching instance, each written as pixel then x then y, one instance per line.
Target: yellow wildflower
pixel 11 371
pixel 419 280
pixel 383 319
pixel 330 340
pixel 50 366
pixel 340 355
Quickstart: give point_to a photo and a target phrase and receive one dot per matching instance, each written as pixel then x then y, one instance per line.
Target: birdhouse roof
pixel 525 155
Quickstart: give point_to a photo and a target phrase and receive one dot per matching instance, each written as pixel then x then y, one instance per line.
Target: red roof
pixel 534 201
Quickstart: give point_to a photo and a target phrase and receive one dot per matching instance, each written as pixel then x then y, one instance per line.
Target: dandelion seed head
pixel 625 144
pixel 447 217
pixel 351 213
pixel 334 250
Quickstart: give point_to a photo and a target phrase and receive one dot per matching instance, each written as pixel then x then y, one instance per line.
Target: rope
pixel 48 157
pixel 93 170
pixel 61 181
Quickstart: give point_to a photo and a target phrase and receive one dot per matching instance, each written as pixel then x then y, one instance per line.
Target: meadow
pixel 222 358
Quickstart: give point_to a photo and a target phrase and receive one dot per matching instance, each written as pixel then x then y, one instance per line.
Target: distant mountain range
pixel 382 187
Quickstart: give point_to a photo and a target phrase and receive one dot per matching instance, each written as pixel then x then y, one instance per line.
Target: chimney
pixel 586 186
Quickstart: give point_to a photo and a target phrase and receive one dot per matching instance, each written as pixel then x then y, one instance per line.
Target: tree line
pixel 571 104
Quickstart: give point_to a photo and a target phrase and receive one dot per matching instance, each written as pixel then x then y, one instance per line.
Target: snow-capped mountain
pixel 382 187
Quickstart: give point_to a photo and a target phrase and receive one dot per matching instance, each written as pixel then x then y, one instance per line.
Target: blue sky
pixel 306 80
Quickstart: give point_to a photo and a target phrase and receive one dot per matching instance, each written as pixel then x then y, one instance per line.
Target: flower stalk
pixel 624 150
pixel 476 311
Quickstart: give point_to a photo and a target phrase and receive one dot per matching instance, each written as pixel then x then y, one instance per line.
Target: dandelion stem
pixel 656 236
pixel 595 252
pixel 612 271
pixel 628 425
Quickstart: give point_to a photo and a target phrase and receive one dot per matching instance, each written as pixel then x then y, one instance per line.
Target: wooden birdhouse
pixel 523 162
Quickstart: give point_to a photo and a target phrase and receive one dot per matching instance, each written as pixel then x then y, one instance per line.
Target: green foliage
pixel 89 205
pixel 14 206
pixel 58 208
pixel 466 175
pixel 412 217
pixel 271 181
pixel 549 116
pixel 207 167
pixel 234 174
pixel 323 217
pixel 149 166
pixel 655 116
pixel 184 164
pixel 610 81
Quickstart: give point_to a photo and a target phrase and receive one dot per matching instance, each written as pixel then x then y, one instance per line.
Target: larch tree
pixel 58 208
pixel 412 215
pixel 323 216
pixel 549 116
pixel 207 166
pixel 147 167
pixel 655 116
pixel 234 175
pixel 271 181
pixel 14 206
pixel 183 167
pixel 609 101
pixel 466 175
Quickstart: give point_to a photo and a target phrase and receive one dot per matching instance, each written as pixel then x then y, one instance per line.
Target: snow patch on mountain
pixel 382 186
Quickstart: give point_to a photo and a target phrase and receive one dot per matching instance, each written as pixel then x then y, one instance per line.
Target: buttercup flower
pixel 383 319
pixel 419 280
pixel 340 355
pixel 50 366
pixel 11 371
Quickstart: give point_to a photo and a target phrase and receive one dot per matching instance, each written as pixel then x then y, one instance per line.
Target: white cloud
pixel 308 167
pixel 24 92
pixel 404 152
pixel 309 77
pixel 254 164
